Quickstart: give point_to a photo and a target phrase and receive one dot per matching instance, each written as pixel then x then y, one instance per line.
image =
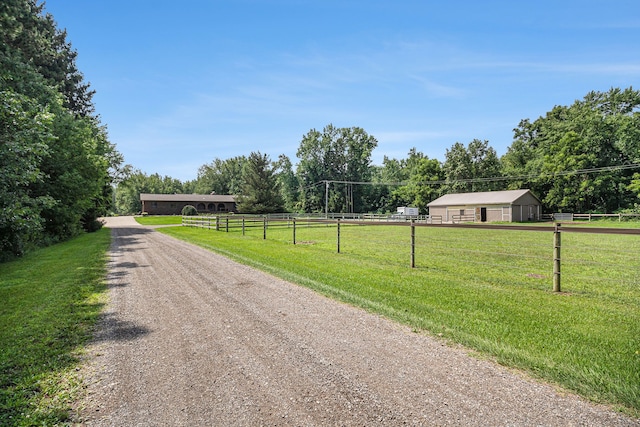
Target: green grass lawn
pixel 606 222
pixel 50 300
pixel 489 290
pixel 159 220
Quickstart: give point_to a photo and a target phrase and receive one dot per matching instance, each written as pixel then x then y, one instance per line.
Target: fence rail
pixel 590 216
pixel 296 225
pixel 457 219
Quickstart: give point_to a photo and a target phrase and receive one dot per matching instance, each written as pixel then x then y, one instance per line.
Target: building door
pixel 483 214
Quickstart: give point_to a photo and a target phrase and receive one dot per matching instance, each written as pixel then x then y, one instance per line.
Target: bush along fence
pixel 281 227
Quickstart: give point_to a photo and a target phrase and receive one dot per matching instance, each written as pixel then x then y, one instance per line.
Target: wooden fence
pixel 264 223
pixel 590 216
pixel 569 216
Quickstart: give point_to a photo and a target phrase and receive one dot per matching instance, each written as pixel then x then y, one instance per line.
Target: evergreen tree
pixel 260 192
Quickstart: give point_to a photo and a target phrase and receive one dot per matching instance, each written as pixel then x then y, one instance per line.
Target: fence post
pixel 217 223
pixel 294 231
pixel 338 222
pixel 243 226
pixel 226 224
pixel 556 258
pixel 413 244
pixel 264 228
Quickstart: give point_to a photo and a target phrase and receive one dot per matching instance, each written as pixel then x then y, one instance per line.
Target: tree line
pixel 55 157
pixel 584 157
pixel 58 170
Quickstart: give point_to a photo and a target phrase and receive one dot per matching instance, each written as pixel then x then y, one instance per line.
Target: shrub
pixel 93 225
pixel 189 210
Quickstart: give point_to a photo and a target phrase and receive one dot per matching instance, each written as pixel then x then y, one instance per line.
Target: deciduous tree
pixel 48 120
pixel 466 167
pixel 24 135
pixel 335 154
pixel 134 181
pixel 575 157
pixel 221 176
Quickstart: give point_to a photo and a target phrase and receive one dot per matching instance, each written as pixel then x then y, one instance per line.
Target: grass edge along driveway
pixel 585 341
pixel 51 299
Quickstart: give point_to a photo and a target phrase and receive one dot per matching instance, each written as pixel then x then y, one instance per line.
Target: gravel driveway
pixel 191 338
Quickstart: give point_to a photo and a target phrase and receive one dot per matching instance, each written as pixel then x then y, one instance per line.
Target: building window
pixel 222 207
pixel 211 207
pixel 200 206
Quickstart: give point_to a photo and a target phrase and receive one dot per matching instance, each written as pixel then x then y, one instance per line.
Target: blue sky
pixel 180 83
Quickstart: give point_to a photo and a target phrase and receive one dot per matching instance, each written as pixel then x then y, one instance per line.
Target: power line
pixel 548 175
pixel 490 179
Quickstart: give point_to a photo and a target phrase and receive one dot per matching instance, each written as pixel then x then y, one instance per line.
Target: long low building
pixel 488 206
pixel 172 204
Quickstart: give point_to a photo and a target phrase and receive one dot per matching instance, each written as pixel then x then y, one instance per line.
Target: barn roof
pixel 216 198
pixel 508 197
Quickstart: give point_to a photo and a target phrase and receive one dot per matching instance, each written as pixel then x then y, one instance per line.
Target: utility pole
pixel 326 199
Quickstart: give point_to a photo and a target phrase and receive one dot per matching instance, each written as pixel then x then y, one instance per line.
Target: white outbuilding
pixel 488 206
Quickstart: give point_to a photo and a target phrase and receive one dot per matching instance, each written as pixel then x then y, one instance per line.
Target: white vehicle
pixel 407 211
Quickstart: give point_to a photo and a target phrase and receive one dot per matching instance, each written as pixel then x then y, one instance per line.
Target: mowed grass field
pixel 159 220
pixel 49 302
pixel 489 290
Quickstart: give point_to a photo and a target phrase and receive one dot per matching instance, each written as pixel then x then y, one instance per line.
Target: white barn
pixel 488 206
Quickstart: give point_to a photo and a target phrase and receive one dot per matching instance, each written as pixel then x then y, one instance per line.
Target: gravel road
pixel 190 338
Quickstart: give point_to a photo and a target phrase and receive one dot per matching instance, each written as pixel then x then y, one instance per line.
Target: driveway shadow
pixel 119 270
pixel 110 328
pixel 126 239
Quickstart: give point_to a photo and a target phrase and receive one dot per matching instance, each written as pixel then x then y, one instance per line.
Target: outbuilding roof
pixel 508 197
pixel 220 198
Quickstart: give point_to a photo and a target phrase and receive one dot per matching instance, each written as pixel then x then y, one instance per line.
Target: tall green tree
pixel 378 198
pixel 48 119
pixel 466 167
pixel 134 181
pixel 260 193
pixel 31 37
pixel 411 180
pixel 521 161
pixel 77 173
pixel 24 135
pixel 572 156
pixel 287 183
pixel 221 176
pixel 423 185
pixel 335 154
pixel 457 167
